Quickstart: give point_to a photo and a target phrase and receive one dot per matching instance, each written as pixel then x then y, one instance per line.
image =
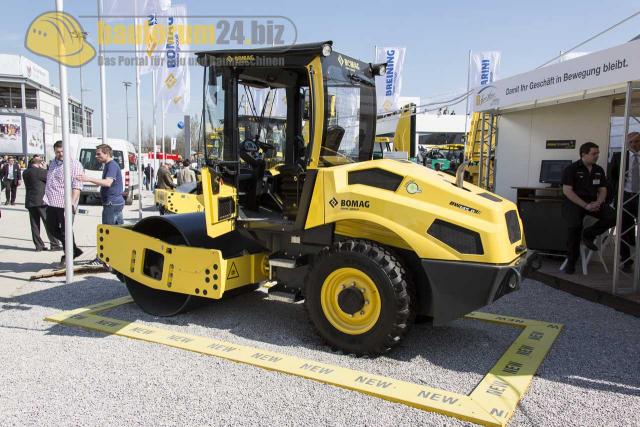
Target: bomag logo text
pixel 348 63
pixel 354 204
pixel 464 208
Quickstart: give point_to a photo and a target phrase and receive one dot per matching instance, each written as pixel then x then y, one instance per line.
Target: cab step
pixel 280 292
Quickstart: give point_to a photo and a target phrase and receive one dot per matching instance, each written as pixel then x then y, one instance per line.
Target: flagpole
pixel 164 153
pixel 68 200
pixel 466 111
pixel 153 103
pixel 103 79
pixel 138 115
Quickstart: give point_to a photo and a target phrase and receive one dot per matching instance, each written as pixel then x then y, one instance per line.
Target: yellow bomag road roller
pixel 368 244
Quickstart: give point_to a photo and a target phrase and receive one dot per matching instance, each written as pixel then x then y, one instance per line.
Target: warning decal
pixel 233 272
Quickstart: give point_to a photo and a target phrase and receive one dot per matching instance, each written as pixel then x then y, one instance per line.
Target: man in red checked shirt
pixel 54 195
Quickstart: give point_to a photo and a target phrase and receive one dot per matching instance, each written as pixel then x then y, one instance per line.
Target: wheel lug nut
pixel 366 302
pixel 362 313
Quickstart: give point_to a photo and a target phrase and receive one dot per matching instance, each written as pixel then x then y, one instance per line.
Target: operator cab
pixel 273 116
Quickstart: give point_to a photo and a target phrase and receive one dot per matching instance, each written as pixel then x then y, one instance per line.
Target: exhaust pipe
pixel 460 174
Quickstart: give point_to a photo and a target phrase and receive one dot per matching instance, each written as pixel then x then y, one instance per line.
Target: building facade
pixel 30 110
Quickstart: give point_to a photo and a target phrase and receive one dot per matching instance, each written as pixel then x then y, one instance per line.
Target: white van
pixel 124 153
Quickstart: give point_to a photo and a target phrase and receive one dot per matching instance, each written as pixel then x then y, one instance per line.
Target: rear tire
pixel 358 297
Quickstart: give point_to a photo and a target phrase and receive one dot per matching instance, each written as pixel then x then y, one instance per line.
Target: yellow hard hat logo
pixel 59 36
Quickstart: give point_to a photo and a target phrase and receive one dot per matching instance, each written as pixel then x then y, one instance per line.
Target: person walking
pixel 35 179
pixel 186 174
pixel 111 186
pixel 165 181
pixel 148 175
pixel 584 186
pixel 631 192
pixel 11 177
pixel 54 196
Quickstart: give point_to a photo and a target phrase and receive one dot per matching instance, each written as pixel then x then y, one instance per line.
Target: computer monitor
pixel 551 171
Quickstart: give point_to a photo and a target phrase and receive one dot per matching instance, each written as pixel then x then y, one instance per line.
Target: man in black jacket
pixel 35 179
pixel 10 176
pixel 584 185
pixel 631 183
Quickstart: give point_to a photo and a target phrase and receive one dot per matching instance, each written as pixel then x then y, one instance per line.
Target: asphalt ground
pixel 58 375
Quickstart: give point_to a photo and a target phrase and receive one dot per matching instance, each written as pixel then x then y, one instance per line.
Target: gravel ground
pixel 57 375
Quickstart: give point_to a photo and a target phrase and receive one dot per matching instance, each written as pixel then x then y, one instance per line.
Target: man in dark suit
pixel 631 184
pixel 11 177
pixel 35 179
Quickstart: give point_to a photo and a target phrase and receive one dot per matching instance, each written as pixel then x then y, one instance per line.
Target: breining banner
pixel 388 86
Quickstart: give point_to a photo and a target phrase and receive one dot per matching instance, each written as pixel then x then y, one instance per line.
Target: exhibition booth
pixel 544 115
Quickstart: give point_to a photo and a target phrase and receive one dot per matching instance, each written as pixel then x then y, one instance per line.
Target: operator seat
pixel 247 151
pixel 332 140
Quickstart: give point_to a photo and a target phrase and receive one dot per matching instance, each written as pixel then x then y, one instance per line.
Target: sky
pixel 437 36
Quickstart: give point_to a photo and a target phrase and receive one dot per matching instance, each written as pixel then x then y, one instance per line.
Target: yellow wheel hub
pixel 350 301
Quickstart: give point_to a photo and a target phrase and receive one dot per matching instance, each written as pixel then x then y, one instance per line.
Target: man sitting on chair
pixel 584 186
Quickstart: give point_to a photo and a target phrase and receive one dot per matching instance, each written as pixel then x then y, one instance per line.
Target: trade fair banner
pixel 34 135
pixel 600 69
pixel 388 87
pixel 485 67
pixel 11 134
pixel 149 35
pixel 173 80
pixel 127 9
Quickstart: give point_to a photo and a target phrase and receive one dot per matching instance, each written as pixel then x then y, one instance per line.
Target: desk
pixel 541 214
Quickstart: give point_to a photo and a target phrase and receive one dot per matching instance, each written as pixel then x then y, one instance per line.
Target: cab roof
pixel 230 56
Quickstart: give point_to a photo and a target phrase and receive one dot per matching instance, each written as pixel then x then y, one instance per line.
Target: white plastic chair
pixel 602 241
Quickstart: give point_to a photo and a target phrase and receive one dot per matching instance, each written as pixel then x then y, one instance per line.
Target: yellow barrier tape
pixel 492 402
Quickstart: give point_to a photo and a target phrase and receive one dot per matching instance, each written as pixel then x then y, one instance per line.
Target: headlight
pixel 326 50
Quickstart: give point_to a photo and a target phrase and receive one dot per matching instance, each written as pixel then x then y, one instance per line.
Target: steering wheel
pixel 249 146
pixel 265 146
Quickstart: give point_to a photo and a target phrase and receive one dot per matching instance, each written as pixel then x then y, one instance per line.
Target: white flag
pixel 126 9
pixel 173 82
pixel 485 67
pixel 151 31
pixel 174 141
pixel 388 87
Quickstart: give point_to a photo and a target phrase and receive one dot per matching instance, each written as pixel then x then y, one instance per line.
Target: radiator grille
pixel 461 239
pixel 226 208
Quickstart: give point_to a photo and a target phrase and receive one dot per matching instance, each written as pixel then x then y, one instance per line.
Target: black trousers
pixel 574 215
pixel 37 214
pixel 55 226
pixel 628 232
pixel 10 189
